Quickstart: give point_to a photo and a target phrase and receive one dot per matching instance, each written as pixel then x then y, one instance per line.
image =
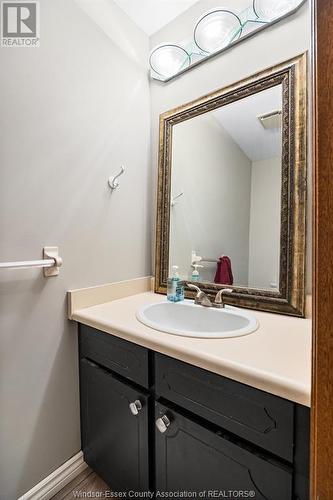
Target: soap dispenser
pixel 195 273
pixel 175 287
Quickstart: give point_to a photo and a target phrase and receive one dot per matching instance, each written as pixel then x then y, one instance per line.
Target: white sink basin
pixel 190 320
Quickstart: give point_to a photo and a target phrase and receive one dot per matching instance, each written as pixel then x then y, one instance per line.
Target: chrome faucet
pixel 202 298
pixel 218 302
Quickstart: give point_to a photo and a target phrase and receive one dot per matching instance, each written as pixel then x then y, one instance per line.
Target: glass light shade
pixel 268 10
pixel 216 29
pixel 167 60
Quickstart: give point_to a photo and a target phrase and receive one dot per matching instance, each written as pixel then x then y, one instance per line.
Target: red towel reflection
pixel 223 274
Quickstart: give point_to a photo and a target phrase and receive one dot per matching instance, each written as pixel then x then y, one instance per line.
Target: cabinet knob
pixel 135 407
pixel 162 423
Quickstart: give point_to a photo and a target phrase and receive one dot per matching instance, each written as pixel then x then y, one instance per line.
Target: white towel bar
pixel 197 258
pixel 27 263
pixel 50 263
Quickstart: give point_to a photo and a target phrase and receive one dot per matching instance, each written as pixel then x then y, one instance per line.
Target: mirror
pixel 231 199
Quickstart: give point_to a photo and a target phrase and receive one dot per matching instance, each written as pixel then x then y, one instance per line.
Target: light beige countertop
pixel 276 358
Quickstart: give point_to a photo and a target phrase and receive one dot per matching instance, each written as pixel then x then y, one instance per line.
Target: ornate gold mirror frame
pixel 290 298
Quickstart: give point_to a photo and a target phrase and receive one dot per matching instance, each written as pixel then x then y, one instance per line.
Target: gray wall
pixel 276 44
pixel 265 215
pixel 71 113
pixel 213 215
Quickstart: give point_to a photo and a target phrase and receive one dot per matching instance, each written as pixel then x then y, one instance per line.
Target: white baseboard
pixel 53 483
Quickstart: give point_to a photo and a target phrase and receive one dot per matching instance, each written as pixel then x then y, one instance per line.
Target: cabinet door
pixel 192 458
pixel 114 431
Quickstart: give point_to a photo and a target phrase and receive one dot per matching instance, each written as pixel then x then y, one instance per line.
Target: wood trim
pixel 322 382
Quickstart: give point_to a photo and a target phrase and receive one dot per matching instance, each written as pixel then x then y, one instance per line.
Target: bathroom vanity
pixel 198 397
pixel 152 422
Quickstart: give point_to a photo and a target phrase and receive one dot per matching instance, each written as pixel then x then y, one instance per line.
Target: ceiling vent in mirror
pixel 271 120
pixel 216 31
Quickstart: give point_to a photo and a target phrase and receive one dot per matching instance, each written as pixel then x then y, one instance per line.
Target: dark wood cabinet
pixel 263 419
pixel 124 358
pixel 114 440
pixel 150 422
pixel 193 458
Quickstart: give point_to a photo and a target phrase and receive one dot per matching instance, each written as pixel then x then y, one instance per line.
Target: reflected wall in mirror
pixel 227 164
pixel 232 189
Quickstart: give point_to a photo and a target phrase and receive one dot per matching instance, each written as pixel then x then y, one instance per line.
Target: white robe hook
pixel 113 181
pixel 174 199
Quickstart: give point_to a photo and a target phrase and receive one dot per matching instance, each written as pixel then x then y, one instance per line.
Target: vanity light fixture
pixel 216 29
pixel 269 10
pixel 168 59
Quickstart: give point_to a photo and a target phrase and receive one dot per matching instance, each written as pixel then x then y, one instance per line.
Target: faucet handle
pixel 199 292
pixel 218 302
pixel 194 287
